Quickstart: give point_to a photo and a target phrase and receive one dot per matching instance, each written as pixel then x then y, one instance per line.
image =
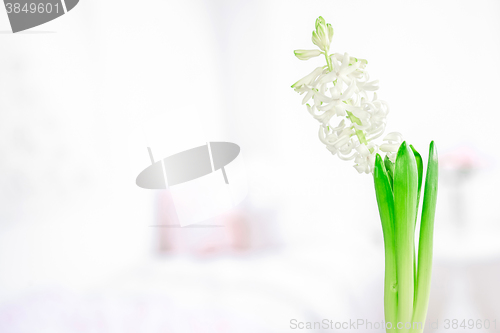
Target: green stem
pixel 352 118
pixel 359 133
pixel 328 61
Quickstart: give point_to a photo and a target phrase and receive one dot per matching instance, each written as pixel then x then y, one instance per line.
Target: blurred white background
pixel 78 252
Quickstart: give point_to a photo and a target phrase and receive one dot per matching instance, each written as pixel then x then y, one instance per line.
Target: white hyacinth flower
pixel 342 89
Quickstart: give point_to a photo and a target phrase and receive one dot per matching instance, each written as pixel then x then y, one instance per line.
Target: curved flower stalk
pixel 342 90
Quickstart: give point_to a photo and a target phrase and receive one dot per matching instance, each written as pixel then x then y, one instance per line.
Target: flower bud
pixel 321 36
pixel 306 54
pixel 330 33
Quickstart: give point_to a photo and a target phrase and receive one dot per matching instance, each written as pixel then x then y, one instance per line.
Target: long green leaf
pixel 420 168
pixel 426 239
pixel 405 204
pixel 385 201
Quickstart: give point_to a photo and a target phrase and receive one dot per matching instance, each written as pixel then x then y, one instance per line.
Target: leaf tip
pixel 403 150
pixel 433 150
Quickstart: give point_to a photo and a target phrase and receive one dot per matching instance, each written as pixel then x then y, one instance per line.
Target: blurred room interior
pixel 83 249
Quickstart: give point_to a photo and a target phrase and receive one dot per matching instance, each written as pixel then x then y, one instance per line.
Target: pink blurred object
pixel 464 158
pixel 239 230
pixel 459 166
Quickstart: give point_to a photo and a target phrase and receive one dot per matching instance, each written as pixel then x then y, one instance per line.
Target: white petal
pixel 394 136
pixel 359 168
pixel 386 147
pixel 347 158
pixel 328 77
pixel 340 110
pixel 308 79
pixel 345 62
pixel 363 150
pixel 307 97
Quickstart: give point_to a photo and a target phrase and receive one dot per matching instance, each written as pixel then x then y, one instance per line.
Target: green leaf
pixel 390 169
pixel 420 167
pixel 405 204
pixel 426 238
pixel 385 201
